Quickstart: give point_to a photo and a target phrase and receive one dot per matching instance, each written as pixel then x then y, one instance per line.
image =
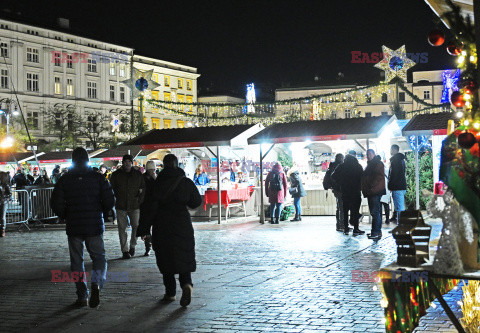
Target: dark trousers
pixel 386 209
pixel 171 285
pixel 374 205
pixel 275 209
pixel 351 204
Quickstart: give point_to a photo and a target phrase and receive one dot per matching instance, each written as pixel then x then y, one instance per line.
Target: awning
pixel 323 130
pixel 428 124
pixel 195 137
pixel 12 158
pixel 58 157
pixel 440 7
pixel 116 154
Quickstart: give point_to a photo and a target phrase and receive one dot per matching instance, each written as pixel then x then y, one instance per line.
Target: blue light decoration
pixel 396 63
pixel 250 99
pixel 449 84
pixel 141 84
pixel 422 142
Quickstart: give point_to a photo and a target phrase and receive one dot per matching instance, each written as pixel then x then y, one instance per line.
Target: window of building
pixel 180 83
pixel 92 90
pixel 112 68
pixel 188 108
pixel 401 97
pixel 348 113
pixel 58 86
pixel 155 77
pixel 69 62
pixel 70 40
pixel 122 94
pixel 189 84
pixel 92 65
pixel 181 99
pixel 384 98
pixel 112 93
pixel 92 122
pixel 32 82
pixel 121 70
pixel 426 94
pixel 180 124
pixel 4 79
pixel 166 81
pixel 368 98
pixel 70 87
pixel 32 54
pixel 333 115
pixel 4 50
pixel 32 119
pixel 167 123
pixel 385 113
pixel 155 123
pixel 368 114
pixel 3 26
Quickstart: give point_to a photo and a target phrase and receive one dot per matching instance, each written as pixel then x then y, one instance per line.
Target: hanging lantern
pixel 436 38
pixel 457 99
pixel 466 140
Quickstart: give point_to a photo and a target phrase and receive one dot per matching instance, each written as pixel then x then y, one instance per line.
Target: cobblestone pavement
pixel 292 277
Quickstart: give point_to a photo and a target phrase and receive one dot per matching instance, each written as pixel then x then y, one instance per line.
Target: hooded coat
pixel 147 207
pixel 373 179
pixel 295 181
pixel 276 196
pixel 172 233
pixel 397 180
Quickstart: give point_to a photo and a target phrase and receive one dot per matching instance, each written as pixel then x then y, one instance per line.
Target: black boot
pixel 299 217
pixel 295 219
pixel 394 217
pixel 276 220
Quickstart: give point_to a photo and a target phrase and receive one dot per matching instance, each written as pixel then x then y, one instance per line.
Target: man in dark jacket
pixel 349 175
pixel 373 187
pixel 129 188
pixel 397 181
pixel 80 197
pixel 329 183
pixel 297 191
pixel 172 233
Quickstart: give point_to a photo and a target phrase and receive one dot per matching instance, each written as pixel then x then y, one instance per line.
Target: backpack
pixel 327 180
pixel 276 182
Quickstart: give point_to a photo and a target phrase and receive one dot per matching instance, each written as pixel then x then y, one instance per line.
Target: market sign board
pixel 173 145
pixel 54 161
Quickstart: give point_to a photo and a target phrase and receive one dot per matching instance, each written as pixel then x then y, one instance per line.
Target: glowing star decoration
pixel 449 84
pixel 251 98
pixel 115 123
pixel 395 63
pixel 140 83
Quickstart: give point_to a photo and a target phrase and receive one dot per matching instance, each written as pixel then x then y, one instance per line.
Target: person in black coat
pixel 329 183
pixel 349 175
pixel 81 197
pixel 397 181
pixel 147 207
pixel 297 191
pixel 172 234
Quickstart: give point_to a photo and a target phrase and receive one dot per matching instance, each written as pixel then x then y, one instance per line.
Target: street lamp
pixel 8 107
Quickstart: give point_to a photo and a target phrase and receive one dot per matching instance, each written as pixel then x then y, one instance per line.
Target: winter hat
pixel 127 157
pixel 79 156
pixel 150 165
pixel 352 152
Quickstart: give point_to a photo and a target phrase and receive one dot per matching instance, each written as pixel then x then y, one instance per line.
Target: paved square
pixel 292 277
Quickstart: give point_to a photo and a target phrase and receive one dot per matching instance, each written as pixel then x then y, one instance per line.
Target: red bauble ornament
pixel 466 140
pixel 454 49
pixel 436 38
pixel 457 99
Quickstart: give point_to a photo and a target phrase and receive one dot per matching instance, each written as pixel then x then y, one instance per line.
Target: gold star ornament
pixel 395 63
pixel 140 82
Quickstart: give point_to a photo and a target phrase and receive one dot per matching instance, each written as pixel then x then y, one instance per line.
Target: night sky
pixel 272 43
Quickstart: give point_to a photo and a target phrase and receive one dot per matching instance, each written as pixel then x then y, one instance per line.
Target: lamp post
pixel 8 107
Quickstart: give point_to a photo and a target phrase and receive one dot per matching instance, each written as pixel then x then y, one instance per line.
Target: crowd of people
pixel 154 205
pixel 349 181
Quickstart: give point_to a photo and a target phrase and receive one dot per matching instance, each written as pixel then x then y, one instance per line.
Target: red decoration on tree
pixel 466 140
pixel 457 99
pixel 454 49
pixel 436 38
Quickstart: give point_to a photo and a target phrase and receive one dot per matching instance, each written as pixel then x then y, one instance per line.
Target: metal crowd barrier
pixel 30 204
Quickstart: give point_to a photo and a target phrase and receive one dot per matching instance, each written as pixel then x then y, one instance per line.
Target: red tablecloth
pixel 211 196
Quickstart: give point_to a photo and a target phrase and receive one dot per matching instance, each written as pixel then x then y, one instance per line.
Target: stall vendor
pixel 241 177
pixel 200 177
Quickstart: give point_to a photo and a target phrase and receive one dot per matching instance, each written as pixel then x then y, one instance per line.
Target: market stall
pixel 10 161
pixel 204 144
pixel 49 160
pixel 426 130
pixel 337 135
pixel 112 157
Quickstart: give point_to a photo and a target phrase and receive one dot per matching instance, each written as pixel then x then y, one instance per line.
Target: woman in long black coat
pixel 172 234
pixel 297 191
